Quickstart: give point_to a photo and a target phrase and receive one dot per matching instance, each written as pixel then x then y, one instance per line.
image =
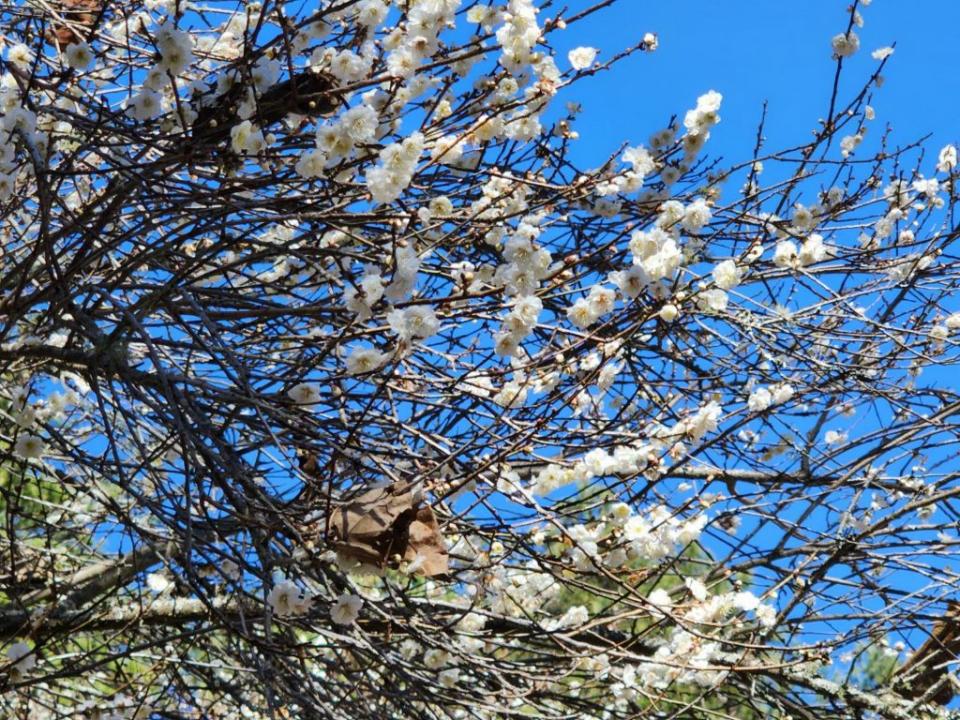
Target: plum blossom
pixel 79 55
pixel 305 393
pixel 29 447
pixel 727 275
pixel 346 609
pixel 364 360
pixel 416 321
pixel 287 599
pixel 582 57
pixel 845 44
pixel 947 159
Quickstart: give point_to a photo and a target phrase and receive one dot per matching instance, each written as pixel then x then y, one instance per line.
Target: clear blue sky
pixel 758 50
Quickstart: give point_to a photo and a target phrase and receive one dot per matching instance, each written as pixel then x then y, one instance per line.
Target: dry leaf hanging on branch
pixel 388 524
pixel 79 15
pixel 930 665
pixel 305 93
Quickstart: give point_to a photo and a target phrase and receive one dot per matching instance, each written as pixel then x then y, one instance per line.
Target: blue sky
pixel 777 52
pixel 756 51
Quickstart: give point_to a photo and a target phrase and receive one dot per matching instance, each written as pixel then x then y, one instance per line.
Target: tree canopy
pixel 331 385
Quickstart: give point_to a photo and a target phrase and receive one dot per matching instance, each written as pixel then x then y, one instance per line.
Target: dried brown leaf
pixel 80 15
pixel 387 524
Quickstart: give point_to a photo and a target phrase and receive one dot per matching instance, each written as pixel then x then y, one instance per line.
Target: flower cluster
pixel 287 599
pixel 398 162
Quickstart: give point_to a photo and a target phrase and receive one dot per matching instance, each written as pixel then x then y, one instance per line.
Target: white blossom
pixel 29 447
pixel 947 159
pixel 346 609
pixel 305 393
pixel 759 400
pixel 582 57
pixel 845 44
pixel 286 599
pixel 79 55
pixel 364 360
pixel 416 321
pixel 727 275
